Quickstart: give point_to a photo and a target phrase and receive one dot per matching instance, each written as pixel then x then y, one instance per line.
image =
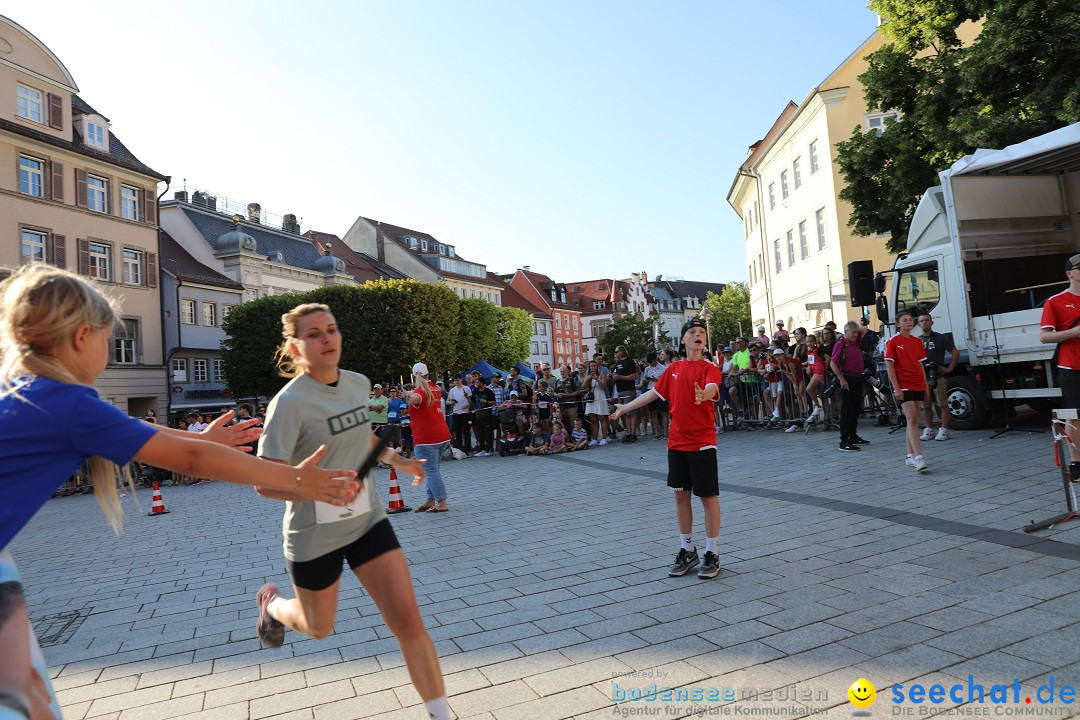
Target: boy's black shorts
pixel 914 395
pixel 693 470
pixel 322 572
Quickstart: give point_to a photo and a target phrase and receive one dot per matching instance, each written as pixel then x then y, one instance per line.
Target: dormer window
pixel 563 295
pixel 423 245
pixel 413 242
pixel 450 250
pixel 598 305
pixel 554 295
pixel 95 134
pixel 602 286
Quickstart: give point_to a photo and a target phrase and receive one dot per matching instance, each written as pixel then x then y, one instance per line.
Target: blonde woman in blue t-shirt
pixel 55 333
pixel 325 405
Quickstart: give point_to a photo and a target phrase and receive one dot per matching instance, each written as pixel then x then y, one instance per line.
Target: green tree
pixel 386 326
pixel 1018 79
pixel 634 332
pixel 727 310
pixel 512 336
pixel 478 332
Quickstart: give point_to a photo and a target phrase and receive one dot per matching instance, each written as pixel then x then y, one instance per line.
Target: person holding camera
pixel 904 358
pixel 937 372
pixel 847 363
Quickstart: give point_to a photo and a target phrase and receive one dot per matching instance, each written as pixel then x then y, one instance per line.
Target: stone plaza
pixel 546 593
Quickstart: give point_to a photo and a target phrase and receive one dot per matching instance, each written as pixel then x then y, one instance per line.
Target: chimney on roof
pixel 380 239
pixel 254 212
pixel 289 224
pixel 181 195
pixel 525 268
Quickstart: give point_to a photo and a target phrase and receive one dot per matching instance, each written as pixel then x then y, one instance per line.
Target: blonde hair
pixel 420 385
pixel 41 307
pixel 287 365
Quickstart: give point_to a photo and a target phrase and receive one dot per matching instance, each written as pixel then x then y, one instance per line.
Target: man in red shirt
pixel 689 387
pixel 1061 325
pixel 904 355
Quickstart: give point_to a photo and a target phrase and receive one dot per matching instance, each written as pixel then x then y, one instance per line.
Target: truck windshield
pixel 917 288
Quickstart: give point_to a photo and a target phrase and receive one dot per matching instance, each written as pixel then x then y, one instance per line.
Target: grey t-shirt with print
pixel 300 418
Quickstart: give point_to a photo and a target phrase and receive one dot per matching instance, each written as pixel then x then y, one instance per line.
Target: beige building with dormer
pixel 75 197
pixel 796 238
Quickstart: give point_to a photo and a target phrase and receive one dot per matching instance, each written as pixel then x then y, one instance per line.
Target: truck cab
pixel 985 250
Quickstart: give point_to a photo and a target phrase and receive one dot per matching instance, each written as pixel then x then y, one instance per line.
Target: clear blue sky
pixel 584 138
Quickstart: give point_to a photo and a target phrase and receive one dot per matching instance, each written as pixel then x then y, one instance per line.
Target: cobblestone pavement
pixel 546 593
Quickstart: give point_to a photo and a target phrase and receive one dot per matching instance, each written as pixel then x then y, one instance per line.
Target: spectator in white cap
pixel 431 436
pixel 761 336
pixel 781 335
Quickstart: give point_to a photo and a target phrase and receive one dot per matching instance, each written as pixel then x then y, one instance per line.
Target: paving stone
pixel 882 574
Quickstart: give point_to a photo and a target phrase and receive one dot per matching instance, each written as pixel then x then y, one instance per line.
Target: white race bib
pixel 327 513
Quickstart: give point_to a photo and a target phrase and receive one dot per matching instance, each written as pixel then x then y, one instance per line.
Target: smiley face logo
pixel 862 693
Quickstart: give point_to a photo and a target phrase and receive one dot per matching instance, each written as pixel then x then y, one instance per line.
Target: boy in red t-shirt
pixel 904 355
pixel 689 387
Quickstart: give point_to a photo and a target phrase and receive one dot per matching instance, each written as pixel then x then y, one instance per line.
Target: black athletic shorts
pixel 693 470
pixel 322 572
pixel 1069 382
pixel 917 395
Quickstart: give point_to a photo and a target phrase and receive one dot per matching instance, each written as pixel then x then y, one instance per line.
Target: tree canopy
pixel 634 332
pixel 727 310
pixel 1018 79
pixel 387 326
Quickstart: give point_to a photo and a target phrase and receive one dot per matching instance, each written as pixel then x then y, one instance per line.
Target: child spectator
pixel 557 443
pixel 537 441
pixel 543 406
pixel 579 436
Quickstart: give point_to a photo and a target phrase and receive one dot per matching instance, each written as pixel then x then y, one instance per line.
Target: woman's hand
pixel 337 487
pixel 235 436
pixel 411 466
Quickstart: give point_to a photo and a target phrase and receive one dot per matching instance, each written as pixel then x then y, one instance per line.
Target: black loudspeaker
pixel 861 282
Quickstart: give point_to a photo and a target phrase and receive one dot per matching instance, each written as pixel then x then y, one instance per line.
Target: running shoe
pixel 942 434
pixel 710 566
pixel 683 562
pixel 927 434
pixel 271 632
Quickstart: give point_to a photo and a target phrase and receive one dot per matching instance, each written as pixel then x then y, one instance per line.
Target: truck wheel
pixel 968 404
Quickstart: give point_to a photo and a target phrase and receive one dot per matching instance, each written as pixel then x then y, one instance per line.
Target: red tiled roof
pixel 513 298
pixel 544 284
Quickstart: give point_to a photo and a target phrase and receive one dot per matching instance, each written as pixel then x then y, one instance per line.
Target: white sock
pixel 438 708
pixel 687 543
pixel 918 457
pixel 270 607
pixel 909 456
pixel 712 544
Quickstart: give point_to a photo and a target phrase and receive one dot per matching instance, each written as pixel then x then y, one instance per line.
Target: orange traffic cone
pixel 158 508
pixel 397 505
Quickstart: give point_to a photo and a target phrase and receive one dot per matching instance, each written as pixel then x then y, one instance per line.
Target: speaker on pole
pixel 861 282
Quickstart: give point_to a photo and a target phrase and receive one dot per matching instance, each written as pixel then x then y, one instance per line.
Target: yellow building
pixel 75 197
pixel 797 241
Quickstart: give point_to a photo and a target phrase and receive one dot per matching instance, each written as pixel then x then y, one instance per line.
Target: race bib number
pixel 326 513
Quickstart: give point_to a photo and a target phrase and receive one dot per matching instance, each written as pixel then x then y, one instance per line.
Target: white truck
pixel 985 251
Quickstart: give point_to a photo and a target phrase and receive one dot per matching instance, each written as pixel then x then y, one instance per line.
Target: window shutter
pixel 57 188
pixel 150 205
pixel 112 197
pixel 58 251
pixel 151 269
pixel 84 255
pixel 80 188
pixel 56 112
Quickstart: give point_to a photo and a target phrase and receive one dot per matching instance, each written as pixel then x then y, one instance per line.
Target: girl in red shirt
pixel 904 355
